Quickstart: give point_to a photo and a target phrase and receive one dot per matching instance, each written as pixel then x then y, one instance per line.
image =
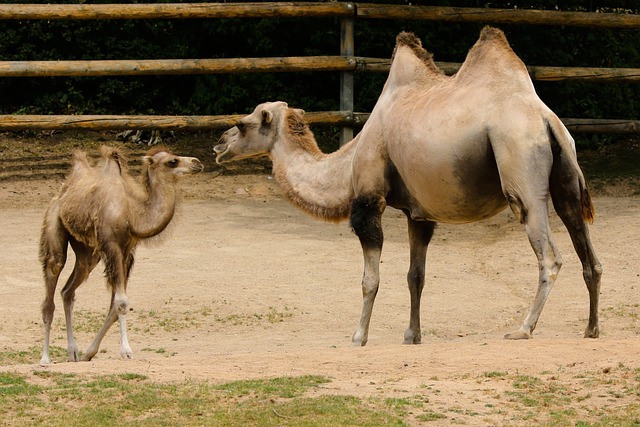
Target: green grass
pixel 607 397
pixel 131 399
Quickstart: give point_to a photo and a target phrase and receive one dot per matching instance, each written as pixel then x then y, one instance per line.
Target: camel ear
pixel 148 160
pixel 267 116
pixel 299 111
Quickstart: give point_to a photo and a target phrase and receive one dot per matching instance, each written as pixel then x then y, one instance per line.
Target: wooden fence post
pixel 347 48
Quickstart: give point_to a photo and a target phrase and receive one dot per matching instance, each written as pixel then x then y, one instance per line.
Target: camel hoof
pixel 359 338
pixel 73 355
pixel 45 361
pixel 519 335
pixel 592 333
pixel 411 338
pixel 127 355
pixel 87 357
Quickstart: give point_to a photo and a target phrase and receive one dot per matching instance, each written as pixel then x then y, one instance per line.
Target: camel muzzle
pixel 221 151
pixel 196 166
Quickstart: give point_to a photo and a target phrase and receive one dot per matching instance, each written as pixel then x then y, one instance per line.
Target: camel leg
pixel 53 247
pixel 117 272
pixel 549 261
pixel 566 196
pixel 366 221
pixel 112 315
pixel 420 233
pixel 125 348
pixel 86 261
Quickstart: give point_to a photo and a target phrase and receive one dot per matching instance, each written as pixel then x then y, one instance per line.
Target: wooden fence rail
pixel 323 118
pixel 498 16
pixel 175 10
pixel 315 9
pixel 347 63
pixel 278 64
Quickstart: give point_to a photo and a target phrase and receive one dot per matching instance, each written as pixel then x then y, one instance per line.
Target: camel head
pixel 162 162
pixel 254 135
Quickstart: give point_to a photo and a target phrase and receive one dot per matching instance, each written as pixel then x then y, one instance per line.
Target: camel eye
pixel 173 163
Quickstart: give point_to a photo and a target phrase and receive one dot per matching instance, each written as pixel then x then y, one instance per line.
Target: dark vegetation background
pixel 239 93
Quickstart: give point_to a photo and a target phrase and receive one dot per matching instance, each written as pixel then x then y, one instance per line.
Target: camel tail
pixel 565 141
pixel 588 211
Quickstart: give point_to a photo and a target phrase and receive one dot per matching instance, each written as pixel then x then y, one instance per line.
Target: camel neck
pixel 159 207
pixel 317 183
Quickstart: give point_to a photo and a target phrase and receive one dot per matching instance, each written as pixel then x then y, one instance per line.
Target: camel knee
pixel 68 295
pixel 53 261
pixel 592 275
pixel 415 278
pixel 52 266
pixel 555 266
pixel 121 305
pixel 48 308
pixel 370 287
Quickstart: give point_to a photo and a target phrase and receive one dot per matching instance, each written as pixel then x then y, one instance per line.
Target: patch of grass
pixel 403 406
pixel 534 392
pixel 154 320
pixel 631 311
pixel 86 321
pixel 15 385
pixel 32 355
pixel 430 415
pixel 131 399
pixel 272 315
pixel 151 321
pixel 284 387
pixel 55 399
pixel 494 374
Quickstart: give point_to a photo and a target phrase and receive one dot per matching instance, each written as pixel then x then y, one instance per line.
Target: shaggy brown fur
pixel 413 42
pixel 103 213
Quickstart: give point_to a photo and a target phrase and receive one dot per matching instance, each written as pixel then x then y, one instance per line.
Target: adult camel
pixel 441 149
pixel 103 213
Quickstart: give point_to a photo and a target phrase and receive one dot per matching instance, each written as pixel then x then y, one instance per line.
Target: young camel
pixel 441 149
pixel 103 213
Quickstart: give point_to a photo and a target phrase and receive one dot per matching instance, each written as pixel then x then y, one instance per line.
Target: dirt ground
pixel 245 286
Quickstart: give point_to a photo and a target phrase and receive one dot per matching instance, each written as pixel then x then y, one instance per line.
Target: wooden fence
pixel 346 63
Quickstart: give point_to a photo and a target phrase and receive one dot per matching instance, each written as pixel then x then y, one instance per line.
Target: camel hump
pixel 489 33
pixel 79 156
pixel 113 154
pixel 413 72
pixel 410 40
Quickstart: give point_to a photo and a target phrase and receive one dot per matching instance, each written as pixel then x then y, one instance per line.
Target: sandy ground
pixel 245 286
